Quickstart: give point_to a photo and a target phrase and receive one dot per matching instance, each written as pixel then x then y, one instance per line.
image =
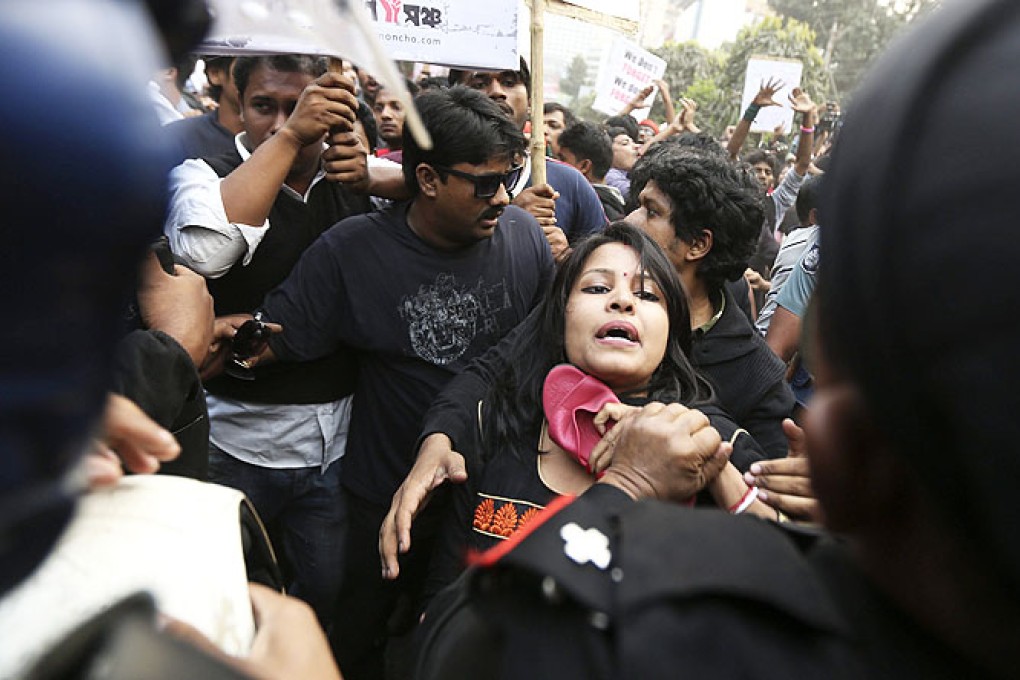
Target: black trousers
pixel 370 610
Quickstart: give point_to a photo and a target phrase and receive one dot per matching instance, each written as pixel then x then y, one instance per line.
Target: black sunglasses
pixel 487 185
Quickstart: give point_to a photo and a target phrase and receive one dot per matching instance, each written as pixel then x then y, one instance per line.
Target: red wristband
pixel 745 501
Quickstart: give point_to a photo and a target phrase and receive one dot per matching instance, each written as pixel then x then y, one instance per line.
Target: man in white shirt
pixel 242 220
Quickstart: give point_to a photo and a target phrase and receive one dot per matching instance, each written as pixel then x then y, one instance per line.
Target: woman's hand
pixel 785 483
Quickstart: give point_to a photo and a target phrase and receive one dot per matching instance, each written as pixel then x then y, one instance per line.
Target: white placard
pixel 625 70
pixel 337 28
pixel 458 33
pixel 759 71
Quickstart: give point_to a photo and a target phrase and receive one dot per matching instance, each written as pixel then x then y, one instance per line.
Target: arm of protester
pixel 386 182
pixel 667 100
pixel 446 425
pixel 682 122
pixel 675 127
pixel 761 100
pixel 638 102
pixel 436 464
pixel 668 452
pixel 783 337
pixel 177 304
pixel 802 104
pixel 735 495
pixel 785 483
pixel 326 104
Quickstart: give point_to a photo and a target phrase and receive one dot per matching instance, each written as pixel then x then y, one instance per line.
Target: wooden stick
pixel 537 100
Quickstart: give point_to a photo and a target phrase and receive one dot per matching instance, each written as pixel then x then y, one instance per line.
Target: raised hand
pixel 767 92
pixel 327 104
pixel 801 102
pixel 689 108
pixel 639 99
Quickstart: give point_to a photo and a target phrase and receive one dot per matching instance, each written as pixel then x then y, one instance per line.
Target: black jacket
pixel 686 593
pixel 156 373
pixel 749 379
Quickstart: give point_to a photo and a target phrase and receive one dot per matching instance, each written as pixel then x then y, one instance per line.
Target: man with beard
pixel 417 291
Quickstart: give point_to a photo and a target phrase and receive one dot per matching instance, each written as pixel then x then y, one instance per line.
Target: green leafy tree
pixel 715 105
pixel 575 78
pixel 582 108
pixel 687 63
pixel 856 31
pixel 775 37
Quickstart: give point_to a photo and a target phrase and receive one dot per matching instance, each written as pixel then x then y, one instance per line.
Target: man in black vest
pixel 242 220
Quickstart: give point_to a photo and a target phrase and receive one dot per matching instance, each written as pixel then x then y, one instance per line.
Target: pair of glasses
pixel 487 185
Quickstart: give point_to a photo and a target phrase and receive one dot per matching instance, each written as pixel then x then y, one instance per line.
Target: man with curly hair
pixel 706 214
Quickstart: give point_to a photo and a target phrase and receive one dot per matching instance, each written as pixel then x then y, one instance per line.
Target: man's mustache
pixel 492 213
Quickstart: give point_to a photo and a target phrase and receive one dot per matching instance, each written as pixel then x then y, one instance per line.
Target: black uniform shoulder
pixel 610 588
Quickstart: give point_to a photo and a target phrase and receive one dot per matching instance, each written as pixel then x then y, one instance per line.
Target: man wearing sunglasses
pixel 416 291
pixel 567 207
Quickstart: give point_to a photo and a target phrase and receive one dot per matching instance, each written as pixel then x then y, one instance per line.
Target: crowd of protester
pixel 500 428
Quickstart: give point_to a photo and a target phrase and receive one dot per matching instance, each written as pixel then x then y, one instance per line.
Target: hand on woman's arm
pixel 785 483
pixel 667 452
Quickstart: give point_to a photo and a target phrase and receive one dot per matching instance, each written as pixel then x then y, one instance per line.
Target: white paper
pixel 337 28
pixel 759 71
pixel 464 34
pixel 625 70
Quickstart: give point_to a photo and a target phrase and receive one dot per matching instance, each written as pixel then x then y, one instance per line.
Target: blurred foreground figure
pixel 910 438
pixel 83 186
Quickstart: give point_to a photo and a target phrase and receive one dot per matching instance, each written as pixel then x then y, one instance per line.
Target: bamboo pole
pixel 537 100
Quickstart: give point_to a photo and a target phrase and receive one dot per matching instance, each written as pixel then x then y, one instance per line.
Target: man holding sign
pixel 242 220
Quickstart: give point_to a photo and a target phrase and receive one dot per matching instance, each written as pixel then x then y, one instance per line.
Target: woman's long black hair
pixel 513 407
